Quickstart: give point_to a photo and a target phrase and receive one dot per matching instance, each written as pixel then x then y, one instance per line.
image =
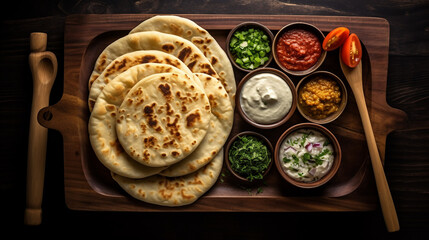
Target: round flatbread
pixel 177 46
pixel 163 119
pixel 102 122
pixel 191 31
pixel 220 125
pixel 173 192
pixel 124 62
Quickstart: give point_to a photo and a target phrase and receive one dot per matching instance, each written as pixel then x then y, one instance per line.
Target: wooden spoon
pixel 354 78
pixel 43 66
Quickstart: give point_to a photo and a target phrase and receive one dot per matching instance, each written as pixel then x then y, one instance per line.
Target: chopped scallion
pixel 250 48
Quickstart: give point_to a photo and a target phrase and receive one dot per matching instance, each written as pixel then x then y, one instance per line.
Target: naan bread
pixel 179 47
pixel 221 120
pixel 163 119
pixel 102 122
pixel 173 192
pixel 191 31
pixel 126 61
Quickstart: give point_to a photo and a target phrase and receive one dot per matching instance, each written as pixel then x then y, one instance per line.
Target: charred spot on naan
pixel 184 53
pixel 147 59
pixel 197 40
pixel 120 65
pixel 92 79
pixel 151 142
pixel 214 60
pixel 151 118
pixel 191 65
pixel 102 62
pixel 173 62
pixel 146 156
pixel 193 118
pixel 168 48
pixel 213 101
pixel 165 89
pixel 173 128
pixel 202 31
pixel 208 69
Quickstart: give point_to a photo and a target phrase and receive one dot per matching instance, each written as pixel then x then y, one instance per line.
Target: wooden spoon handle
pixel 386 201
pixel 36 161
pixel 43 66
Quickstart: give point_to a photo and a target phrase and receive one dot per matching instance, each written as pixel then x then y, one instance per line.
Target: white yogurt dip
pixel 306 155
pixel 266 98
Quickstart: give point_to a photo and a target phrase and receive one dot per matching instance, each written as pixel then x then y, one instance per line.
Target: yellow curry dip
pixel 320 97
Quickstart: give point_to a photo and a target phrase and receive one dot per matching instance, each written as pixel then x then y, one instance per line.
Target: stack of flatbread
pixel 162 106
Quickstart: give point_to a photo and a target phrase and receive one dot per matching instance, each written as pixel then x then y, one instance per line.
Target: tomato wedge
pixel 351 51
pixel 335 38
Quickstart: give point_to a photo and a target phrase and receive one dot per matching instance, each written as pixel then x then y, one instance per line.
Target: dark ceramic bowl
pixel 328 176
pixel 328 75
pixel 303 26
pixel 228 147
pixel 282 76
pixel 244 26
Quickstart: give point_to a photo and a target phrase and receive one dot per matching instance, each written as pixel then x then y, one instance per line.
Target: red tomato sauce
pixel 298 49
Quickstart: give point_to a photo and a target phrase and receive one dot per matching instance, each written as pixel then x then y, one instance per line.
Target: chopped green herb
pixel 295 159
pixel 304 138
pixel 306 157
pixel 293 169
pixel 249 157
pixel 318 157
pixel 250 48
pixel 286 160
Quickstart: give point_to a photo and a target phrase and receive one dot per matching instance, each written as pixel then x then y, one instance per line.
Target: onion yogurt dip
pixel 306 155
pixel 266 98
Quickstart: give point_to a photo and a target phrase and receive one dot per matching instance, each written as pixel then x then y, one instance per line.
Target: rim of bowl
pixel 344 97
pixel 288 81
pixel 245 25
pixel 305 26
pixel 337 159
pixel 251 133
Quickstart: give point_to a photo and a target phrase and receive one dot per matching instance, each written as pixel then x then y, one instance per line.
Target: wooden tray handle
pixel 67 110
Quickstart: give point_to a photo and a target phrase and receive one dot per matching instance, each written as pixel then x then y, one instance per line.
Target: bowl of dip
pixel 249 156
pixel 322 97
pixel 307 155
pixel 266 98
pixel 297 48
pixel 248 46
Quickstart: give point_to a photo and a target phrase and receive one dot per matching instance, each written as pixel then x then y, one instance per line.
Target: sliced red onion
pixel 317 144
pixel 312 171
pixel 290 147
pixel 309 147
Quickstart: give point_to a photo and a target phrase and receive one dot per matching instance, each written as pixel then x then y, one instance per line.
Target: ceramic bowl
pixel 249 119
pixel 259 136
pixel 305 112
pixel 331 172
pixel 303 26
pixel 244 26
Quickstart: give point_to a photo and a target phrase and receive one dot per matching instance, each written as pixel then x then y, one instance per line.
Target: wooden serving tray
pixel 88 185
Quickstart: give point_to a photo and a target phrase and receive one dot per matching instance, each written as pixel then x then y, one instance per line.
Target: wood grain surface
pixel 406 150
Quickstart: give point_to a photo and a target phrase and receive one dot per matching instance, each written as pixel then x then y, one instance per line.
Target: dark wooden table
pixel 407 151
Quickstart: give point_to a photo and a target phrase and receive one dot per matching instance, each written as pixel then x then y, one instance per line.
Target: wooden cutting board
pixel 88 185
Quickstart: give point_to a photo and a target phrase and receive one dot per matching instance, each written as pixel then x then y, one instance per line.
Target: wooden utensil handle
pixel 36 162
pixel 43 66
pixel 386 201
